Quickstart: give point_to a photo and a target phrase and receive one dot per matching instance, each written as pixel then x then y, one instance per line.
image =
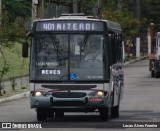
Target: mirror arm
pixel 29 34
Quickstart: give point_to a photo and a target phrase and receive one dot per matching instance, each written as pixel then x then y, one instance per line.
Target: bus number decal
pixel 48 26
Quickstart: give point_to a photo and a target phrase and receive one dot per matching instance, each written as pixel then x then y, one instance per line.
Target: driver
pixel 94 53
pixel 44 50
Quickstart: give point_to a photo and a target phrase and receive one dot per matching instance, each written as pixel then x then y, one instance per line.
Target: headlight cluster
pixel 39 93
pixel 97 94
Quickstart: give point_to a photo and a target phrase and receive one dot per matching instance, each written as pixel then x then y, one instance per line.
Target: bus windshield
pixel 67 57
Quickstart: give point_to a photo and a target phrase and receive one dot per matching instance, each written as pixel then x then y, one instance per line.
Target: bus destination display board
pixel 69 26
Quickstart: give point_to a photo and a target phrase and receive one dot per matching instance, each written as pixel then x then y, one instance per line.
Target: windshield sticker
pixel 50 72
pixel 73 76
pixel 54 64
pixel 94 77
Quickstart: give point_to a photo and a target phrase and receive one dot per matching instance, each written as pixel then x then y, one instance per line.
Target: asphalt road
pixel 141 103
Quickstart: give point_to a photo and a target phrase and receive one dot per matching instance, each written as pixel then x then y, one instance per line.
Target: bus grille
pixel 68 95
pixel 69 103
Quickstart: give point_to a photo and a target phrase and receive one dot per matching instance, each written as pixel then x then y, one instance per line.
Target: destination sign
pixel 69 26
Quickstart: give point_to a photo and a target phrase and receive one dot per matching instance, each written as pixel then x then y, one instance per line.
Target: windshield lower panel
pixel 67 57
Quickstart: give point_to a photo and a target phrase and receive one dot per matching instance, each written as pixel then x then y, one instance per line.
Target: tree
pixel 124 16
pixel 17 9
pixel 87 7
pixel 11 30
pixel 154 11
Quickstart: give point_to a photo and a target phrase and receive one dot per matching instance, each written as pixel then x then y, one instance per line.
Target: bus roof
pixel 112 26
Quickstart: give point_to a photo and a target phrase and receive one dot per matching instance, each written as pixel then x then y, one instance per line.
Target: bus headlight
pixel 97 94
pixel 100 93
pixel 38 93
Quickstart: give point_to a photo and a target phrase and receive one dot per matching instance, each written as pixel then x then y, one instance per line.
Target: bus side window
pixel 114 48
pixel 120 48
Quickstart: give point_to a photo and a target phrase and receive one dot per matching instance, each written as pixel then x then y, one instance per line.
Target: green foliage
pixel 109 4
pixel 17 9
pixel 14 62
pixel 129 24
pixel 154 11
pixel 87 7
pixel 11 31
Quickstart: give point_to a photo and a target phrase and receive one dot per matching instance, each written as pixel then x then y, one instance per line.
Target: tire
pixel 115 109
pixel 157 74
pixel 115 112
pixel 49 113
pixel 104 114
pixel 152 73
pixel 59 114
pixel 41 114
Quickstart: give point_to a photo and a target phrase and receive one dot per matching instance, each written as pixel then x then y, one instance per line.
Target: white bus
pixel 76 65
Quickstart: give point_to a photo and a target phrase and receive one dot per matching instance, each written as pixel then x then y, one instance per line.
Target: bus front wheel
pixel 115 111
pixel 41 114
pixel 152 73
pixel 59 114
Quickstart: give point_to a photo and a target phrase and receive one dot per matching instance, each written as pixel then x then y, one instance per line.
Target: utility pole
pixel 75 6
pixel 138 9
pixel 40 9
pixel 37 9
pixel 34 9
pixel 119 4
pixel 138 13
pixel 99 9
pixel 98 4
pixel 138 37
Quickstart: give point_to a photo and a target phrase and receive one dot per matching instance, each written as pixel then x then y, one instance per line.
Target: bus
pixel 76 65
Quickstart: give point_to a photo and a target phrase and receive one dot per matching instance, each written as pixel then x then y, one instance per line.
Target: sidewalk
pixel 18 93
pixel 137 59
pixel 26 94
pixel 14 97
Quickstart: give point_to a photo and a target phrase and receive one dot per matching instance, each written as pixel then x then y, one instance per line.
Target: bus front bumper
pixel 69 103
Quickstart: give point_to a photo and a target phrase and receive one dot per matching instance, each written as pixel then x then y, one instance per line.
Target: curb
pixel 137 59
pixel 26 94
pixel 14 97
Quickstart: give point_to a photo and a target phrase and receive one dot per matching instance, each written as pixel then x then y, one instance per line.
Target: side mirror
pixel 25 49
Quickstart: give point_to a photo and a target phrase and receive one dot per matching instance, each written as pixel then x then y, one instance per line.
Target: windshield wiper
pixel 55 43
pixel 82 46
pixel 84 42
pixel 60 52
